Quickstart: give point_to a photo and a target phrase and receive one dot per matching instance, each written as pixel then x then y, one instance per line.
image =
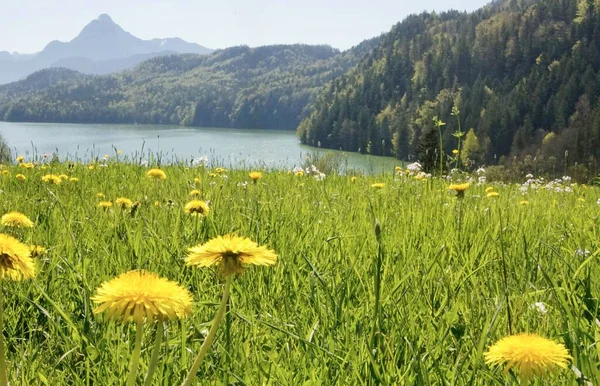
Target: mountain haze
pixel 101 47
pixel 264 87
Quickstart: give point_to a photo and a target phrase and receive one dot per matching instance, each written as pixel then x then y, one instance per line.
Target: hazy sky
pixel 28 25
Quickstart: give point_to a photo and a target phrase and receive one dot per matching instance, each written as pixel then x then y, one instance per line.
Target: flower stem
pixel 135 358
pixel 211 334
pixel 160 331
pixel 3 374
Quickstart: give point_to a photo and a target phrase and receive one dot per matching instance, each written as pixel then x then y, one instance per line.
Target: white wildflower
pixel 539 307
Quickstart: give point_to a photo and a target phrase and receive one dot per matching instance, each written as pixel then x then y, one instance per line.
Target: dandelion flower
pixel 20 159
pixel 157 204
pixel 20 177
pixel 105 204
pixel 91 167
pixel 197 208
pixel 524 202
pixel 378 185
pixel 156 174
pixel 123 202
pixel 119 152
pixel 353 179
pixel 230 253
pixel 398 169
pixel 455 152
pixel 195 192
pixel 212 175
pixel 493 194
pixel 52 179
pixel 5 172
pixel 100 195
pixel 63 177
pixel 489 189
pixel 36 250
pixel 197 180
pixel 140 295
pixel 15 259
pixel 529 353
pixel 255 176
pixel 73 179
pixel 16 219
pixel 459 189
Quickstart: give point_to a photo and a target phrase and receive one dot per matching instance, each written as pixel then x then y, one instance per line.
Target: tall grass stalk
pixel 211 334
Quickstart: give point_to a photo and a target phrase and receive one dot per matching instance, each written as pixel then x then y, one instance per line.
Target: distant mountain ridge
pixel 101 47
pixel 265 87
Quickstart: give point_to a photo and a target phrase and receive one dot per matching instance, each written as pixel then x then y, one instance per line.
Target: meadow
pixel 382 279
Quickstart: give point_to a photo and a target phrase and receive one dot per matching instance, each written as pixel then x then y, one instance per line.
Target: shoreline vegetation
pixel 402 278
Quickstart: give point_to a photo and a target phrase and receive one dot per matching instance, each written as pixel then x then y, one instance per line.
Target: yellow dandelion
pixel 581 199
pixel 20 177
pixel 197 180
pixel 455 152
pixel 63 177
pixel 299 173
pixel 27 165
pixel 91 167
pixel 212 175
pixel 119 152
pixel 523 202
pixel 43 167
pixel 36 250
pixel 353 179
pixel 195 192
pixel 493 194
pixel 220 170
pixel 489 189
pixel 139 296
pixel 459 189
pixel 73 179
pixel 378 185
pixel 230 253
pixel 123 202
pixel 398 169
pixel 100 195
pixel 529 353
pixel 52 179
pixel 5 172
pixel 16 219
pixel 20 159
pixel 15 259
pixel 157 204
pixel 105 204
pixel 156 174
pixel 197 208
pixel 255 176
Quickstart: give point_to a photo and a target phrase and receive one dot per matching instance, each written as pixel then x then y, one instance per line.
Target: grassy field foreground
pixel 451 272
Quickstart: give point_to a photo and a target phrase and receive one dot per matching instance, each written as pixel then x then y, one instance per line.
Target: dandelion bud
pixel 377 229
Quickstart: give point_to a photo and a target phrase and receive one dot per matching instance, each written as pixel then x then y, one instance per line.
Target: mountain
pixel 100 48
pixel 264 87
pixel 523 75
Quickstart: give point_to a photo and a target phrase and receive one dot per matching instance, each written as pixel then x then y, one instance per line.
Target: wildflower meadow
pixel 116 273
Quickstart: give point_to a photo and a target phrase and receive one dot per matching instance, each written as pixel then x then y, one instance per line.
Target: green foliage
pixel 514 69
pixel 310 317
pixel 470 150
pixel 265 87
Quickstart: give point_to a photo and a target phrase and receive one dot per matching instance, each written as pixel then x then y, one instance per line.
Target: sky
pixel 26 26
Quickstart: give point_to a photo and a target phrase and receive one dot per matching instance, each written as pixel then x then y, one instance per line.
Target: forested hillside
pixel 522 74
pixel 265 87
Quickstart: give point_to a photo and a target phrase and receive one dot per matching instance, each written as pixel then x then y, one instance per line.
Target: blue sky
pixel 28 25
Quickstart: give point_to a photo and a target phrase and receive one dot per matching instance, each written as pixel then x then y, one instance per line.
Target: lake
pixel 233 148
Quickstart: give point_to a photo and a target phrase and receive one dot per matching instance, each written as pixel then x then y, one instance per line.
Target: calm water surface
pixel 228 147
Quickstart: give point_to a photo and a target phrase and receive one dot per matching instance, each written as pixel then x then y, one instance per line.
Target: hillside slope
pixel 264 87
pixel 523 74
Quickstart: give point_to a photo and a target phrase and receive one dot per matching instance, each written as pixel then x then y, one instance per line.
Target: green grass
pixel 309 319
